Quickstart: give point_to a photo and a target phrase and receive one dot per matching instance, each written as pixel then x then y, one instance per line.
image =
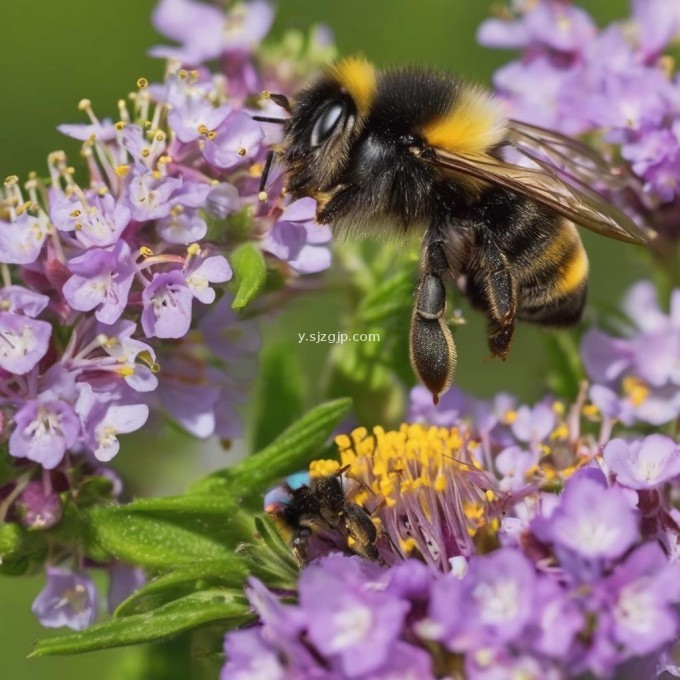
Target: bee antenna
pixel 267 119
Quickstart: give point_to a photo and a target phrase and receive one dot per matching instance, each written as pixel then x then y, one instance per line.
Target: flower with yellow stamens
pixel 423 485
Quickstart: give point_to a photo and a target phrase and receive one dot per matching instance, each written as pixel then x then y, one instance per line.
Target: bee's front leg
pixel 432 350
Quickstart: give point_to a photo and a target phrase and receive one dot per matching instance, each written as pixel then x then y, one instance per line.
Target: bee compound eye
pixel 327 122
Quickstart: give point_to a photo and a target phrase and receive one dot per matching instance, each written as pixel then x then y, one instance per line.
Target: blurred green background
pixel 55 53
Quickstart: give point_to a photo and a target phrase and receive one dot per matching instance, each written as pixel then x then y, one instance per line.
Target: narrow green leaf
pixel 165 532
pixel 186 613
pixel 251 273
pixel 280 383
pixel 288 453
pixel 565 372
pixel 188 578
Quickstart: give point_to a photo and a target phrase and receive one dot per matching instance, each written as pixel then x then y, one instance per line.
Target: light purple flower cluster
pixel 105 313
pixel 584 581
pixel 637 378
pixel 617 81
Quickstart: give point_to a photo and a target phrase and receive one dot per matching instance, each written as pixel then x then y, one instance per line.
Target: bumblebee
pixel 320 508
pixel 414 150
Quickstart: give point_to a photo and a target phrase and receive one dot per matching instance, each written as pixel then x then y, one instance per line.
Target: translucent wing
pixel 568 157
pixel 565 169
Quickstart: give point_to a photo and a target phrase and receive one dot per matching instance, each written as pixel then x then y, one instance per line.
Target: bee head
pixel 341 149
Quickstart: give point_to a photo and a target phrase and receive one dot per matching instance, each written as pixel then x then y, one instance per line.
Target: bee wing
pixel 566 156
pixel 569 197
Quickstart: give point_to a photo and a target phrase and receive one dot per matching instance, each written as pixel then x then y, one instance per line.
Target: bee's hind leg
pixel 432 350
pixel 493 289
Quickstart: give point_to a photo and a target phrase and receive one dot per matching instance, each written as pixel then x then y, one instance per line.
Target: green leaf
pixel 165 532
pixel 290 452
pixel 188 578
pixel 20 549
pixel 565 373
pixel 186 613
pixel 251 273
pixel 281 384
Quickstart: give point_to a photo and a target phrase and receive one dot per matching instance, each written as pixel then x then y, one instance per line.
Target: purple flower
pixel 236 141
pixel 44 431
pixel 182 225
pixel 249 656
pixel 167 306
pixel 39 507
pixel 592 521
pixel 22 238
pixel 297 239
pixel 642 592
pixel 104 130
pixel 205 32
pixel 201 272
pixel 496 600
pixel 645 463
pixel 348 621
pixel 124 580
pixel 533 425
pixel 99 221
pixel 23 342
pixel 20 300
pixel 101 280
pixel 104 422
pixel 68 599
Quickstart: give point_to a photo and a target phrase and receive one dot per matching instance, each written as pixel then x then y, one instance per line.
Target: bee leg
pixel 432 350
pixel 300 546
pixel 361 529
pixel 500 297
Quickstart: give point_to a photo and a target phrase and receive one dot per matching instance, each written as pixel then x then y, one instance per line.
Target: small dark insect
pixel 321 509
pixel 416 150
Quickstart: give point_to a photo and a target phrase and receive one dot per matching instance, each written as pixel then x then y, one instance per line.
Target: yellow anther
pixel 560 432
pixel 126 371
pixel 142 83
pixel 262 196
pixel 74 213
pixel 120 125
pixel 323 468
pixel 636 390
pixel 265 94
pixel 182 74
pixel 212 134
pixel 145 251
pixel 122 170
pixel 242 151
pixel 160 136
pixel 510 417
pixel 146 153
pixel 590 411
pixel 84 104
pixel 11 180
pixel 558 408
pixel 194 249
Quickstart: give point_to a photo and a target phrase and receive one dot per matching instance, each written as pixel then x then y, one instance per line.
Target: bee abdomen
pixel 555 281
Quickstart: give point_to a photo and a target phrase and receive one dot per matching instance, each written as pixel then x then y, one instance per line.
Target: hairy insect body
pixel 411 150
pixel 321 509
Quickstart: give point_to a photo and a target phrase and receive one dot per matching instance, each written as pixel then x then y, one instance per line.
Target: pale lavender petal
pixel 43 432
pixel 69 599
pixel 23 342
pixel 167 306
pixel 237 141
